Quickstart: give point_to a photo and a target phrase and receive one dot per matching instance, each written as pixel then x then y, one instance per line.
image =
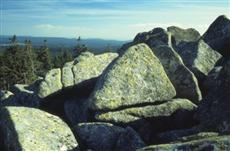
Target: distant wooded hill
pixel 55 43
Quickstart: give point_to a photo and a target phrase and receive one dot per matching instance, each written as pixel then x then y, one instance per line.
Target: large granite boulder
pixel 213 113
pixel 218 35
pixel 182 78
pixel 32 129
pixel 136 77
pixel 105 137
pixel 87 66
pixel 180 35
pixel 199 57
pixel 210 143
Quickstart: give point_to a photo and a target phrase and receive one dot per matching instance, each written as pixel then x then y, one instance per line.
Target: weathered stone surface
pixel 149 111
pixel 213 113
pixel 155 37
pixel 198 57
pixel 186 35
pixel 218 35
pixel 67 76
pixel 76 111
pixel 105 136
pixel 90 66
pixel 136 77
pixel 84 67
pixel 173 135
pixel 212 79
pixel 182 78
pixel 129 141
pixel 214 143
pixel 29 129
pixel 51 84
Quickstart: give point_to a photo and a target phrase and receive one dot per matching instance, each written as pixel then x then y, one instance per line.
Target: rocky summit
pixel 167 90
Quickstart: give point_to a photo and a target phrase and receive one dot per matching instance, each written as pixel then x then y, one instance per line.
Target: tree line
pixel 23 64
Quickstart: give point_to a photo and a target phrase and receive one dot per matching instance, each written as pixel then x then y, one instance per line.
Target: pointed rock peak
pixel 218 35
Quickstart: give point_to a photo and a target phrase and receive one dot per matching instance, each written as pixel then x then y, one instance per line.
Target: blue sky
pixel 107 19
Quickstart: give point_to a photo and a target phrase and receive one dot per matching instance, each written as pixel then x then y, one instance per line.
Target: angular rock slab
pixel 133 114
pixel 105 137
pixel 182 78
pixel 84 67
pixel 215 143
pixel 218 35
pixel 29 129
pixel 136 77
pixel 198 57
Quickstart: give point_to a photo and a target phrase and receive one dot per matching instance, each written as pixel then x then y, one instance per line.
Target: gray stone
pixel 29 129
pixel 213 113
pixel 180 35
pixel 215 143
pixel 76 111
pixel 182 78
pixel 106 137
pixel 133 114
pixel 4 95
pixel 129 141
pixel 218 35
pixel 136 77
pixel 83 68
pixel 198 57
pixel 51 84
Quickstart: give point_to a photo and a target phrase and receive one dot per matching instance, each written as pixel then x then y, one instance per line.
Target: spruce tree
pixel 29 63
pixel 44 59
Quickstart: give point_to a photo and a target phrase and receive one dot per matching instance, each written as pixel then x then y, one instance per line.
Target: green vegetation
pixel 23 63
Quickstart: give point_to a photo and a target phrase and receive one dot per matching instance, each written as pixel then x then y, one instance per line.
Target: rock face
pixel 215 143
pixel 104 137
pixel 135 77
pixel 198 57
pixel 214 112
pixel 182 78
pixel 133 114
pixel 218 35
pixel 85 67
pixel 29 129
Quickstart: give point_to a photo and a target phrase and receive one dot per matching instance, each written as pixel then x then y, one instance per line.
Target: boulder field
pixel 168 89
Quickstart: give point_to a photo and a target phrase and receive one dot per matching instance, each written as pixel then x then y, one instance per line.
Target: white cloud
pixel 47 26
